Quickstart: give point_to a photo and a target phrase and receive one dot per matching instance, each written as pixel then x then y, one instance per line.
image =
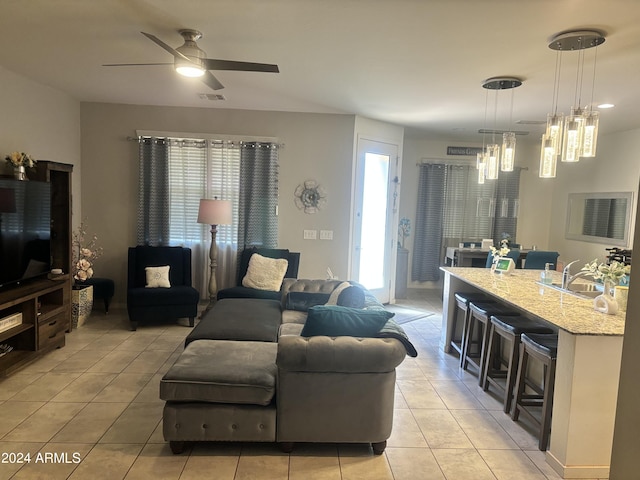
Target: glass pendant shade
pixel 508 151
pixel 573 136
pixel 554 130
pixel 480 160
pixel 482 168
pixel 492 160
pixel 590 138
pixel 548 158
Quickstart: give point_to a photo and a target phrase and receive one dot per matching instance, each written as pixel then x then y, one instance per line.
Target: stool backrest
pixel 536 259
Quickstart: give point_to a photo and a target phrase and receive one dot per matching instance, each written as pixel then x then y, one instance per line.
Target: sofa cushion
pixel 334 320
pixel 245 292
pixel 265 273
pixel 249 319
pixel 302 301
pixel 176 295
pixel 222 372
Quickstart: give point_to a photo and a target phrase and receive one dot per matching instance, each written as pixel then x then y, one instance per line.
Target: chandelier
pixel 575 135
pixel 495 157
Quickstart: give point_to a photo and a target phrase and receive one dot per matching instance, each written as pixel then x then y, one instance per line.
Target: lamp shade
pixel 215 212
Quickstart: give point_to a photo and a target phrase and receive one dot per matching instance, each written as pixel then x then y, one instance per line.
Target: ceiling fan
pixel 190 60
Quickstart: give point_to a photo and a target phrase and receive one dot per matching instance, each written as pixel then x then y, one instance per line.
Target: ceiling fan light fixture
pixel 187 69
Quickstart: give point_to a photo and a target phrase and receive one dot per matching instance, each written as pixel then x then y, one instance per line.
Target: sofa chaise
pixel 250 372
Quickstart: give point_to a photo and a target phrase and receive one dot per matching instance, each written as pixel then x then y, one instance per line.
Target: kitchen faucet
pixel 567 278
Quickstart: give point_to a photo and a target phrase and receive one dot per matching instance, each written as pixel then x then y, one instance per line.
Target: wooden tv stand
pixel 46 315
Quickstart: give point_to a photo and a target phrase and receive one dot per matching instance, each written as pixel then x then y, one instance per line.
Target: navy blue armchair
pixel 243 292
pixel 180 300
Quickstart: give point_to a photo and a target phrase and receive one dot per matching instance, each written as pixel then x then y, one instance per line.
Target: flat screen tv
pixel 25 230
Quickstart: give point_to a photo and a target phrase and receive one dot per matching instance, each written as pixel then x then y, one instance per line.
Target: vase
pixel 621 294
pixel 81 304
pixel 605 303
pixel 20 173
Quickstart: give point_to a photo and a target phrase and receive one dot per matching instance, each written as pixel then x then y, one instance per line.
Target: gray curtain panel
pixel 507 196
pixel 153 193
pixel 453 207
pixel 258 220
pixel 429 223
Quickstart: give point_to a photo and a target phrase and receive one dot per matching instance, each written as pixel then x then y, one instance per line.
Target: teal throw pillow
pixel 336 321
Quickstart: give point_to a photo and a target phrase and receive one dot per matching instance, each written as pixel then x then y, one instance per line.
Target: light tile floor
pixel 94 405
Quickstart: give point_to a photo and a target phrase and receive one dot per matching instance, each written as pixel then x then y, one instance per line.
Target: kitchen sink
pixel 585 290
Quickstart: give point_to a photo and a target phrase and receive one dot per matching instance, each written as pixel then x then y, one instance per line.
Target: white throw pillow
pixel 158 277
pixel 265 273
pixel 333 298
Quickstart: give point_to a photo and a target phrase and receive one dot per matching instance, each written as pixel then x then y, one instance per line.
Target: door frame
pixel 393 203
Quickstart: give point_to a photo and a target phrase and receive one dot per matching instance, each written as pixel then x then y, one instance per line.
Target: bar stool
pixel 462 306
pixel 477 333
pixel 543 348
pixel 509 329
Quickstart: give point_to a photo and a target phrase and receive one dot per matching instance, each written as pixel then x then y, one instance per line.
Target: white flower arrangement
pixel 20 159
pixel 503 251
pixel 612 272
pixel 84 254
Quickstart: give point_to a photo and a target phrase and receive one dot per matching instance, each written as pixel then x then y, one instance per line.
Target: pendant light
pixel 481 157
pixel 494 161
pixel 575 135
pixel 548 158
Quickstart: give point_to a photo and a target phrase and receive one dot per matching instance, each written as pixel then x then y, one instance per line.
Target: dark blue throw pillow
pixel 351 297
pixel 335 321
pixel 302 301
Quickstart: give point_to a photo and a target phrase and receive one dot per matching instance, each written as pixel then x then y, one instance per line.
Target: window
pixel 198 170
pixel 175 173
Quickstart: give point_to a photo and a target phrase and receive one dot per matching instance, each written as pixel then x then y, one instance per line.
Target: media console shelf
pixel 45 304
pixel 45 309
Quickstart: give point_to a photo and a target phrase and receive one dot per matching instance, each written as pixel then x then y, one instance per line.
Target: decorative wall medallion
pixel 310 196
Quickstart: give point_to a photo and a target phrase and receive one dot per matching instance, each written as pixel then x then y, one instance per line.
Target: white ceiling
pixel 416 63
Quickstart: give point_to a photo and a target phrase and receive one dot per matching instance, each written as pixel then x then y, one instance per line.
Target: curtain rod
pixel 454 162
pixel 203 140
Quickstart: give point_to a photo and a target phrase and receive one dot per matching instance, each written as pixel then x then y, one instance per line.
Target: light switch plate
pixel 326 234
pixel 310 234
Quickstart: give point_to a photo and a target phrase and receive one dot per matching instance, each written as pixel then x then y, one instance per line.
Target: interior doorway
pixel 375 208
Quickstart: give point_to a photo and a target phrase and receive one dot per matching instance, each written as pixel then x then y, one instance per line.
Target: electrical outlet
pixel 310 234
pixel 326 234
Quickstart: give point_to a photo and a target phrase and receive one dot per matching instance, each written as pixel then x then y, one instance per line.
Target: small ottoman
pixel 102 288
pixel 220 390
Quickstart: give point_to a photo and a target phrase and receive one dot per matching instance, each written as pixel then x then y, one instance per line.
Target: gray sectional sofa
pixel 247 374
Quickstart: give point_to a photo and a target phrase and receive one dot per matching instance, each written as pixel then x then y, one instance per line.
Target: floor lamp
pixel 214 212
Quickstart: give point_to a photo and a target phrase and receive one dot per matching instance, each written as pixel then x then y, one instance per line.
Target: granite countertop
pixel 520 289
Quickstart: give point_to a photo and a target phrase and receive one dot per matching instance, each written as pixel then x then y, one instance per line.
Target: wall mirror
pixel 599 217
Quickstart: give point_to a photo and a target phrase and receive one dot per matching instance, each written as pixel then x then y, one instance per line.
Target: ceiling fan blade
pixel 169 49
pixel 213 64
pixel 211 81
pixel 132 64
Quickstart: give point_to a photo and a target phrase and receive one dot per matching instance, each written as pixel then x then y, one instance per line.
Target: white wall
pixel 40 121
pixel 615 169
pixel 316 146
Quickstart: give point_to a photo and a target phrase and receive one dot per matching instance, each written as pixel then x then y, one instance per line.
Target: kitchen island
pixel 588 364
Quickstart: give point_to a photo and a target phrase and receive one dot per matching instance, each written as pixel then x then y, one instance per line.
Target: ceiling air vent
pixel 214 97
pixel 500 132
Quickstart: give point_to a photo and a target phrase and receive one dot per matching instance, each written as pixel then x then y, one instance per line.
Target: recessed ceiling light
pixel 606 105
